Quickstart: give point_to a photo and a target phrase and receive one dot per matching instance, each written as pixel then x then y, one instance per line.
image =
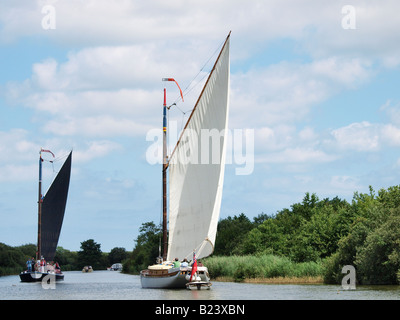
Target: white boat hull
pixel 174 279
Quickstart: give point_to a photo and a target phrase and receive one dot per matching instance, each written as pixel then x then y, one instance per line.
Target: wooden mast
pixel 164 177
pixel 39 243
pixel 164 168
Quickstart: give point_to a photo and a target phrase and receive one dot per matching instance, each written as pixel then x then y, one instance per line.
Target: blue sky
pixel 322 100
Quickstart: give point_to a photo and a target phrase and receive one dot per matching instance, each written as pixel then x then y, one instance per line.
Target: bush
pixel 260 266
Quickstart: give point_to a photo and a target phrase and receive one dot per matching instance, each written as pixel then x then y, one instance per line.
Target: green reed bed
pixel 262 267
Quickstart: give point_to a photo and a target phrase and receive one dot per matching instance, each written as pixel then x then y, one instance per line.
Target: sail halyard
pixel 196 188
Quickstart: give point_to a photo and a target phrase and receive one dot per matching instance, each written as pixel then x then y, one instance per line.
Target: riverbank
pixel 264 269
pixel 276 280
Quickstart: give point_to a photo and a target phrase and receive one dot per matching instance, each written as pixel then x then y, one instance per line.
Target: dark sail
pixel 53 208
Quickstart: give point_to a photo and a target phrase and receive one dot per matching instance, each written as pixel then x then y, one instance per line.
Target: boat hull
pixel 198 285
pixel 174 278
pixel 38 276
pixel 168 281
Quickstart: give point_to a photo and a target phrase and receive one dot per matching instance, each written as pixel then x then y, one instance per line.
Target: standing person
pixel 42 265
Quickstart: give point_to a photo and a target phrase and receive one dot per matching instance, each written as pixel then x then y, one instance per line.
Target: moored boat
pixel 115 267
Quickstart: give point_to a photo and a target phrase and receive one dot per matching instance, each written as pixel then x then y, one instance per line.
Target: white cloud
pixel 392 109
pixel 391 134
pixel 286 92
pixel 345 185
pixel 317 24
pixel 16 173
pixel 366 137
pixel 16 145
pixel 95 149
pixel 286 145
pixel 357 137
pixel 297 155
pixel 96 126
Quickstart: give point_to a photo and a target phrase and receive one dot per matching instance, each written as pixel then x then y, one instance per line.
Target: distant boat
pixel 115 267
pixel 87 269
pixel 51 209
pixel 195 189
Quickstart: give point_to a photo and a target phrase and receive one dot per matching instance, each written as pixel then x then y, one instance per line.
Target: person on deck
pixel 29 265
pixel 184 263
pixel 42 265
pixel 177 264
pixel 57 268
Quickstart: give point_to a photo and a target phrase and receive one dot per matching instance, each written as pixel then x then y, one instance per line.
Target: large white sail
pixel 196 168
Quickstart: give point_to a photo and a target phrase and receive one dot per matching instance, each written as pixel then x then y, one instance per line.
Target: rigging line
pixel 61 157
pixel 200 81
pixel 202 68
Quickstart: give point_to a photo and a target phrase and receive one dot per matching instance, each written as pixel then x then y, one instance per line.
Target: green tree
pixel 230 234
pixel 266 238
pixel 28 250
pixel 117 255
pixel 146 249
pixel 90 254
pixel 67 259
pixel 372 245
pixel 318 237
pixel 378 260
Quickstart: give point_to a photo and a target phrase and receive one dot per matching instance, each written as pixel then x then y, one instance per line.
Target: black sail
pixel 53 208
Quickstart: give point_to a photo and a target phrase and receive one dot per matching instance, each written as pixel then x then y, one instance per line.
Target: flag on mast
pixel 194 266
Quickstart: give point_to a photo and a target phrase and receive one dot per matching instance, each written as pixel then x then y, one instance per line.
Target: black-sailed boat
pixel 51 209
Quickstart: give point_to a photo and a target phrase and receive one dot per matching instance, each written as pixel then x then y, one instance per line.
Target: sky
pixel 314 89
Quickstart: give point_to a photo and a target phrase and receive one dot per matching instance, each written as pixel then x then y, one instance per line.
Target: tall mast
pixel 164 177
pixel 39 244
pixel 164 168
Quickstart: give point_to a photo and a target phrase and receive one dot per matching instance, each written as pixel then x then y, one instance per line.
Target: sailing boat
pixel 51 210
pixel 195 187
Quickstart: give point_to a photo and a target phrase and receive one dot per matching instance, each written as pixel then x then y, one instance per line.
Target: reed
pixel 259 268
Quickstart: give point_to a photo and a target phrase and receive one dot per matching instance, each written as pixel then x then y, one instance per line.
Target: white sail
pixel 196 168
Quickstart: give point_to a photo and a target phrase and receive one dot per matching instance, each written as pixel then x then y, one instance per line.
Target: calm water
pixel 111 285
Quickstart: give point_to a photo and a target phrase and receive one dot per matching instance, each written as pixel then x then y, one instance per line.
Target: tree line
pixel 13 259
pixel 332 233
pixel 325 234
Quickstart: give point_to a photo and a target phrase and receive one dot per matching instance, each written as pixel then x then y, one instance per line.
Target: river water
pixel 111 285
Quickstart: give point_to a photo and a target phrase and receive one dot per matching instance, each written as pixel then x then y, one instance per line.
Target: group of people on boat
pixel 87 269
pixel 184 263
pixel 42 266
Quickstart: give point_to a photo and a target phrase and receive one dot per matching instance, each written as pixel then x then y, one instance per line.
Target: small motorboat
pixel 87 269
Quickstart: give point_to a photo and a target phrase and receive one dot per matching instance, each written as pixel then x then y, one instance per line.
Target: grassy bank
pixel 263 269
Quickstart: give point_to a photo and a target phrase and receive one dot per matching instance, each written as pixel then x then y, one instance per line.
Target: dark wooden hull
pixel 38 276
